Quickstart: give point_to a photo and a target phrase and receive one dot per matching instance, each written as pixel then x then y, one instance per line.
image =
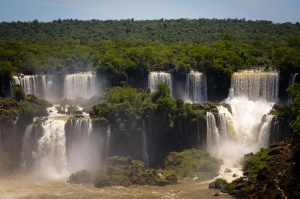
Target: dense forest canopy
pixel 162 30
pixel 120 48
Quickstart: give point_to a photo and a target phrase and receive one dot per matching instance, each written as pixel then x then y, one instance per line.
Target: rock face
pixel 272 173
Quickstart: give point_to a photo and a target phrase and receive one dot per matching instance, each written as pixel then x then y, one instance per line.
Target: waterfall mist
pixel 247 129
pixel 54 147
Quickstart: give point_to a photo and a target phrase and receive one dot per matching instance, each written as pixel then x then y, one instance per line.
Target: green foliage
pixel 5 76
pixel 77 32
pixel 79 177
pixel 192 163
pixel 19 94
pixel 294 92
pixel 8 110
pixel 33 107
pixel 121 171
pixel 254 163
pixel 122 107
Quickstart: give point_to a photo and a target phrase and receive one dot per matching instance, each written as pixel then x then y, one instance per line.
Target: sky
pixel 277 11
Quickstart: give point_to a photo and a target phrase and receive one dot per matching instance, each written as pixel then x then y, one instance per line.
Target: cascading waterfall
pixel 247 129
pixel 42 86
pixel 159 77
pixel 144 144
pixel 263 136
pixel 81 151
pixel 82 85
pixel 108 135
pixel 196 87
pixel 255 85
pixel 50 157
pixel 57 146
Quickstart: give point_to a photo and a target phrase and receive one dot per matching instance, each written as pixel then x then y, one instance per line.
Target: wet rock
pixel 262 174
pixel 234 175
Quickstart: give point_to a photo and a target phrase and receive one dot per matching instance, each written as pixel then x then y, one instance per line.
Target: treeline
pixel 27 48
pixel 133 60
pixel 162 30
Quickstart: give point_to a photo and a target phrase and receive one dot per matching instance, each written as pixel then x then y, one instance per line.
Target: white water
pixel 43 86
pixel 46 150
pixel 81 152
pixel 80 85
pixel 247 129
pixel 256 85
pixel 50 157
pixel 144 144
pixel 196 87
pixel 159 77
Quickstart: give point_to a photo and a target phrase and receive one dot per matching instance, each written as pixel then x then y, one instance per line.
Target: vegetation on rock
pixel 191 163
pixel 124 171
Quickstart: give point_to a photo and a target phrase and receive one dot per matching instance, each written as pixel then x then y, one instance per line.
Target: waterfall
pixel 43 86
pixel 196 87
pixel 81 85
pixel 159 77
pixel 247 128
pixel 292 80
pixel 108 135
pixel 264 133
pixel 26 153
pixel 81 149
pixel 144 144
pixel 50 157
pixel 213 136
pixel 231 136
pixel 255 85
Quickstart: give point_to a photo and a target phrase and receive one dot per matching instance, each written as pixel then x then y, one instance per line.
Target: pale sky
pixel 278 11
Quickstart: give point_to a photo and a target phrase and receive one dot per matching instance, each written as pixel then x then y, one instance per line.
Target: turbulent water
pixel 159 77
pixel 247 128
pixel 22 186
pixel 196 87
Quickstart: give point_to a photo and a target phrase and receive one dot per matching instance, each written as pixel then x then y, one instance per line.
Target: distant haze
pixel 277 11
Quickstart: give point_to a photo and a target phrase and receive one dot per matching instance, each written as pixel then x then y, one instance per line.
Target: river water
pixel 23 186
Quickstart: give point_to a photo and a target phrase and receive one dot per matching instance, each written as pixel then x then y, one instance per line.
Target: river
pixel 23 186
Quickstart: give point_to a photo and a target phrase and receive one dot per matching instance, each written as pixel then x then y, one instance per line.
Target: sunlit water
pixel 23 186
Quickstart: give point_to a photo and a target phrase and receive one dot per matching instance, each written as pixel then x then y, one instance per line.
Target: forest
pixel 129 48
